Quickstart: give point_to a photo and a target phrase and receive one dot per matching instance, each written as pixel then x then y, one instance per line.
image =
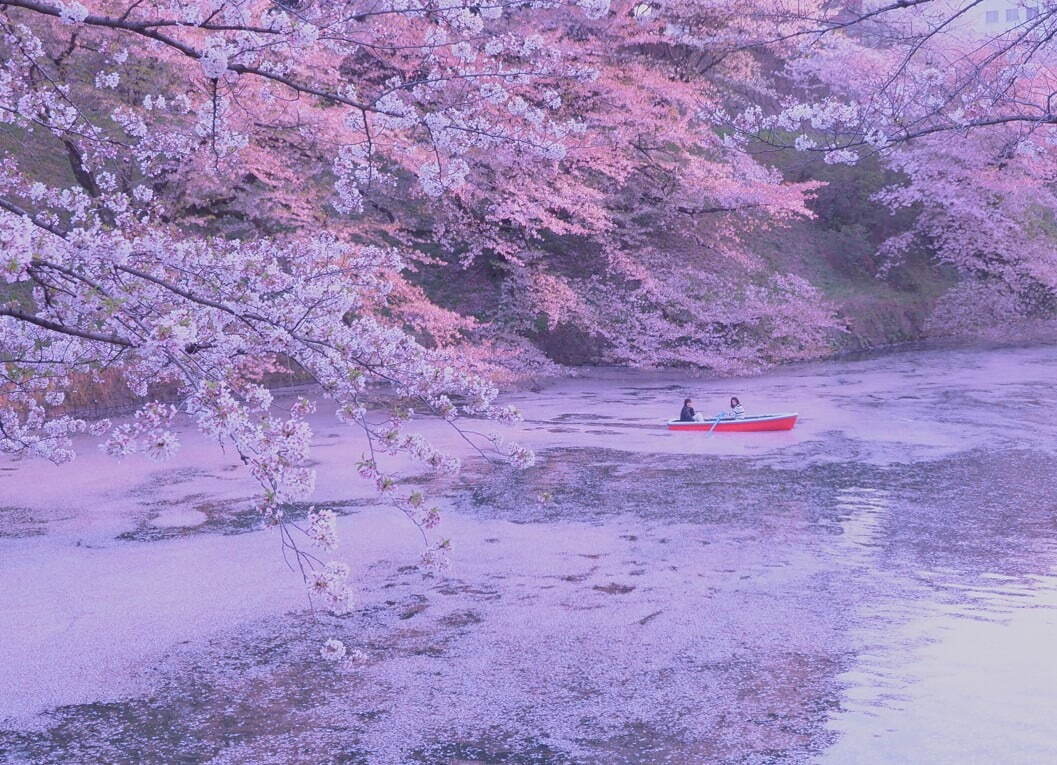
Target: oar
pixel 719 416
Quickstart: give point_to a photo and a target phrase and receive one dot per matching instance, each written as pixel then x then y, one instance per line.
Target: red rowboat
pixel 745 424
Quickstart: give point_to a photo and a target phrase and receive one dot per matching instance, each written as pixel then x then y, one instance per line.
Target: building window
pixel 1031 13
pixel 1012 14
pixel 992 17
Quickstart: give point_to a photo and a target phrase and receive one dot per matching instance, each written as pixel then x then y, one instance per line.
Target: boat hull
pixel 743 425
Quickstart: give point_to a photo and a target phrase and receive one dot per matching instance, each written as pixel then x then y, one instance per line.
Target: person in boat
pixel 687 414
pixel 737 411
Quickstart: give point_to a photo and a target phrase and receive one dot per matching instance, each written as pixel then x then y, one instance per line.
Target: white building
pixel 974 20
pixel 993 17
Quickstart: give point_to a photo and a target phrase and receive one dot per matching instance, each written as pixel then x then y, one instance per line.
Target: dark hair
pixel 734 401
pixel 686 401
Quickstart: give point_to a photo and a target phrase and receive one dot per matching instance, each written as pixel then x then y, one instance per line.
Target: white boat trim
pixel 732 418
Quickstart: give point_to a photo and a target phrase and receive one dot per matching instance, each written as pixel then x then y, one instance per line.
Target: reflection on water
pixel 968 676
pixel 865 507
pixel 932 583
pixel 961 667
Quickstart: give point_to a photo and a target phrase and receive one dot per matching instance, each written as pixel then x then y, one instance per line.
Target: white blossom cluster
pixel 322 528
pixel 330 584
pixel 73 12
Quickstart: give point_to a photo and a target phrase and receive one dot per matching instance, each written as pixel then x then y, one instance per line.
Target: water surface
pixel 879 585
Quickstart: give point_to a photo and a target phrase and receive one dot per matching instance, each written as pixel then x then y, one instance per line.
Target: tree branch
pixel 84 334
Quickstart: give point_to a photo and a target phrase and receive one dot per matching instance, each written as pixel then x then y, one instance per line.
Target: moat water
pixel 877 585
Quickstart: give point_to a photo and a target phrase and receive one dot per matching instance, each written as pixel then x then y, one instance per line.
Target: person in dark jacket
pixel 687 414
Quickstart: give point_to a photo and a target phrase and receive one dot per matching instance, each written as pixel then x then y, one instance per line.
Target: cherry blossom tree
pixel 195 195
pixel 962 106
pixel 143 97
pixel 643 244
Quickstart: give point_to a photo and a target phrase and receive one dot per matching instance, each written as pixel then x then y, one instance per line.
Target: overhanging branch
pixel 84 334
